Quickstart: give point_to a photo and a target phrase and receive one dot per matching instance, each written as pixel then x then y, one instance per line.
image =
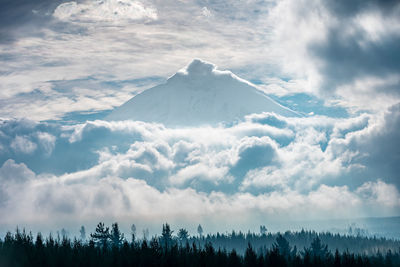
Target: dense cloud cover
pixel 266 166
pixel 63 62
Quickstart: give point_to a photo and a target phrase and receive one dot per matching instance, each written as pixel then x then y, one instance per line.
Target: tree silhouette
pixel 263 230
pixel 319 250
pixel 21 249
pixel 183 235
pixel 250 257
pixel 133 232
pixel 82 233
pixel 145 234
pixel 64 233
pixel 166 236
pixel 282 245
pixel 117 238
pixel 101 235
pixel 200 230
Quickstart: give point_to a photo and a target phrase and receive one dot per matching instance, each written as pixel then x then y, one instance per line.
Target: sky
pixel 65 65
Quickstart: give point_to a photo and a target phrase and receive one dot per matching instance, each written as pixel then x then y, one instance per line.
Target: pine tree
pixel 200 230
pixel 117 238
pixel 263 230
pixel 82 232
pixel 250 257
pixel 101 235
pixel 133 232
pixel 282 245
pixel 166 236
pixel 183 235
pixel 319 250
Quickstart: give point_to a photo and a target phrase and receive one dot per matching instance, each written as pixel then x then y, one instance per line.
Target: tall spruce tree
pixel 166 236
pixel 117 238
pixel 101 235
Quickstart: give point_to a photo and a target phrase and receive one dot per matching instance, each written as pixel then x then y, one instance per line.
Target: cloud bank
pixel 267 168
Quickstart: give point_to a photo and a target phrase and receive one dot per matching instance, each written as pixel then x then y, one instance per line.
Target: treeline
pixel 356 244
pixel 108 247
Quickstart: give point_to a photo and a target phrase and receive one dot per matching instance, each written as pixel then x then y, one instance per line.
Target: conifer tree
pixel 166 236
pixel 82 233
pixel 319 250
pixel 117 238
pixel 282 245
pixel 183 235
pixel 200 230
pixel 133 232
pixel 101 235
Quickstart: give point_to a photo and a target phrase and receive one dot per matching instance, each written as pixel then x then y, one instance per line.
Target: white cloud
pixel 213 174
pixel 107 10
pixel 262 152
pixel 149 173
pixel 23 144
pixel 380 193
pixel 67 200
pixel 46 141
pixel 12 172
pixel 206 12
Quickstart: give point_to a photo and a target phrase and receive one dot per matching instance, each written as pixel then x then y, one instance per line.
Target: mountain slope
pixel 197 95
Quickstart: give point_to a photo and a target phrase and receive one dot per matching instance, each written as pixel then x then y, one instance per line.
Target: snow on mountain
pixel 199 94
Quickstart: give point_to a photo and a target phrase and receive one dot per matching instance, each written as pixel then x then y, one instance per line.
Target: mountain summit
pixel 196 95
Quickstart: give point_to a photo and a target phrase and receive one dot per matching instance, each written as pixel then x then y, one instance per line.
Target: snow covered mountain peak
pixel 198 67
pixel 198 94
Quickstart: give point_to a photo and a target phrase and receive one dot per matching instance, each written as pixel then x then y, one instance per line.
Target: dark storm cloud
pixel 345 8
pixel 382 148
pixel 345 59
pixel 20 17
pixel 349 53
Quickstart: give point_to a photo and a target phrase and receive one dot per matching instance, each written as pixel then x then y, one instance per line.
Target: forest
pixel 108 246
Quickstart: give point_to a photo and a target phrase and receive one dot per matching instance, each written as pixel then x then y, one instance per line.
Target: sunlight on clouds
pixel 107 10
pixel 134 200
pixel 384 194
pixel 136 171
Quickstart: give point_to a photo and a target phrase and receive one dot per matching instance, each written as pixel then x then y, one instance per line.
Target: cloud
pixel 355 55
pixel 26 138
pixel 260 153
pixel 206 12
pixel 108 10
pixel 347 9
pixel 376 145
pixel 12 172
pixel 383 194
pixel 12 175
pixel 134 171
pixel 47 142
pixel 67 200
pixel 21 18
pixel 357 59
pixel 23 144
pixel 254 152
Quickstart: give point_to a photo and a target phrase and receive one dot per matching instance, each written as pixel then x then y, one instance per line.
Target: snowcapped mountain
pixel 197 95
